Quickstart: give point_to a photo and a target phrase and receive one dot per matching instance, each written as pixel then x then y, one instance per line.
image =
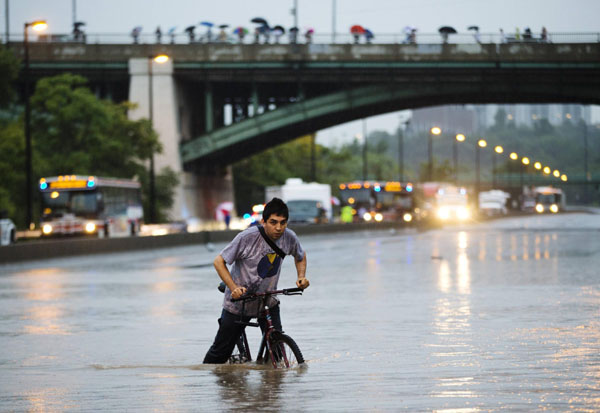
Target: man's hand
pixel 302 283
pixel 238 292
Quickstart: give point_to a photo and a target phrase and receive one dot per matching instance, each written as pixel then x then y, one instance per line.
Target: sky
pixel 381 16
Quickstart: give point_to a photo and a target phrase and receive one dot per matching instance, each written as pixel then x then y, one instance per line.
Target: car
pixel 8 232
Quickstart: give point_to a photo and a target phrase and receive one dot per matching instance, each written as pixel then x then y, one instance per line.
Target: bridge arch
pixel 231 143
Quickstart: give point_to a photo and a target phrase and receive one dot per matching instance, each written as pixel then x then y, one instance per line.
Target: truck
pixel 493 202
pixel 308 202
pixel 549 199
pixel 447 202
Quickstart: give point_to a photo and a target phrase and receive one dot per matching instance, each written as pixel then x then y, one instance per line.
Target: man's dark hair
pixel 275 207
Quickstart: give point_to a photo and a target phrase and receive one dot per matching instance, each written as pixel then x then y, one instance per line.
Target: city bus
pixel 378 201
pixel 90 205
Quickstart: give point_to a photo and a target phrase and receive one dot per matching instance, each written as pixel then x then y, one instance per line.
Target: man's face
pixel 274 226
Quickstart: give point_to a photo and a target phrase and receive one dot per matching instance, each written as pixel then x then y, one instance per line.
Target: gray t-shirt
pixel 255 265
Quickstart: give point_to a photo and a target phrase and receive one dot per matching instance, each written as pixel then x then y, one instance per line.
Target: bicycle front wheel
pixel 284 352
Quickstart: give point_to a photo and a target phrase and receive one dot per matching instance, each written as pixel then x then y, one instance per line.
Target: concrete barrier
pixel 58 248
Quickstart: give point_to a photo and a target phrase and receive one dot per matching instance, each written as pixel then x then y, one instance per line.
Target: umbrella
pixel 310 30
pixel 279 28
pixel 190 29
pixel 447 29
pixel 78 24
pixel 207 24
pixel 476 28
pixel 259 20
pixel 223 26
pixel 369 34
pixel 240 29
pixel 294 29
pixel 172 30
pixel 357 29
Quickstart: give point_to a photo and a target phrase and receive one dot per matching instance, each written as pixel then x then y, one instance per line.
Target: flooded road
pixel 504 315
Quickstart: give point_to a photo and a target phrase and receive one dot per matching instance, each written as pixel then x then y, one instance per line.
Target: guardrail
pixel 318 38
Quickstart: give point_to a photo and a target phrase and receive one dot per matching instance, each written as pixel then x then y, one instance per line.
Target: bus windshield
pixel 548 199
pixel 58 203
pixel 362 195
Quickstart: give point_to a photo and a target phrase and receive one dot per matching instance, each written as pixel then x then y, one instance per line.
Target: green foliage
pixel 333 166
pixel 165 183
pixel 99 139
pixel 74 132
pixel 9 70
pixel 12 170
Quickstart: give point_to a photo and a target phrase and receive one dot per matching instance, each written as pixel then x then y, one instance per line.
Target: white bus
pixel 90 205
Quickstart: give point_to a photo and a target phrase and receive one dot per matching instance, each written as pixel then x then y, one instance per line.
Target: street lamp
pixel 459 138
pixel 37 25
pixel 481 143
pixel 401 132
pixel 499 150
pixel 160 59
pixel 524 162
pixel 433 131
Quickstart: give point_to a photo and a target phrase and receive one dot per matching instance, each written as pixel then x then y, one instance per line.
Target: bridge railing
pixel 318 38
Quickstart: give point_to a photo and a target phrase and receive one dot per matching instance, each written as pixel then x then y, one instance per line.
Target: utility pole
pixel 333 16
pixel 6 19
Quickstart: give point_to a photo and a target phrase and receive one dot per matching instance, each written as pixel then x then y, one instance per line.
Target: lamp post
pixel 365 166
pixel 459 138
pixel 433 131
pixel 401 132
pixel 162 58
pixel 481 143
pixel 499 150
pixel 38 25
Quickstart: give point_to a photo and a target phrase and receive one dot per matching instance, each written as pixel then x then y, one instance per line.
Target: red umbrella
pixel 357 29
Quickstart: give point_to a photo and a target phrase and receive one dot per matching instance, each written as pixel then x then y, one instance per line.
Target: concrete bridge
pixel 214 104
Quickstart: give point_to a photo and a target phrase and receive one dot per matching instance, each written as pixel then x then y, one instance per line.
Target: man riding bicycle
pixel 255 268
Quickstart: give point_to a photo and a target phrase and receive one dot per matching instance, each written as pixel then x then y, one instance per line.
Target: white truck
pixel 308 202
pixel 492 203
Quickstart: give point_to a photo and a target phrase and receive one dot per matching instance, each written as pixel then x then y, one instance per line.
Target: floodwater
pixel 503 315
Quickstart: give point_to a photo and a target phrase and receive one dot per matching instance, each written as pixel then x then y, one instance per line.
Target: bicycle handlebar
pixel 285 291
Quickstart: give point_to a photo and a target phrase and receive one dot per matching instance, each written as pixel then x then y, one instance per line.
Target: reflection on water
pixel 496 316
pixel 243 389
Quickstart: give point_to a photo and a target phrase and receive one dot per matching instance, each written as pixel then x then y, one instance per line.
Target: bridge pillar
pixel 164 111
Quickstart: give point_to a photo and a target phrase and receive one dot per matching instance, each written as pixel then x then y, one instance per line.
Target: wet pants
pixel 230 331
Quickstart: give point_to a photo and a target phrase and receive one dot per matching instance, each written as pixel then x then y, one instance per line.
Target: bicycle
pixel 279 348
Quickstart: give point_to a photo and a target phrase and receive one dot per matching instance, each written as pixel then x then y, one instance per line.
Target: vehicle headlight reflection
pixel 539 208
pixel 443 213
pixel 47 229
pixel 407 217
pixel 554 208
pixel 462 213
pixel 90 227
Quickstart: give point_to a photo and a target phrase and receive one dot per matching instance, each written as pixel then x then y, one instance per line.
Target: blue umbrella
pixel 207 24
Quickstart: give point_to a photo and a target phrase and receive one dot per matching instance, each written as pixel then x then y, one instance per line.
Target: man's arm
pixel 221 267
pixel 302 282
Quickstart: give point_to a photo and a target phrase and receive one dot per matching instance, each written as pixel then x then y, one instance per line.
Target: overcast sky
pixel 381 16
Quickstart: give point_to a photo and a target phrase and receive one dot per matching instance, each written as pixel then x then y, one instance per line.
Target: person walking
pixel 255 268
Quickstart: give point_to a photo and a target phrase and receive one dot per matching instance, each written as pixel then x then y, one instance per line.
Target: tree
pixel 74 132
pixel 9 70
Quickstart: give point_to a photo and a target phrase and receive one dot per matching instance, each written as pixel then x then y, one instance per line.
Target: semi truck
pixel 308 202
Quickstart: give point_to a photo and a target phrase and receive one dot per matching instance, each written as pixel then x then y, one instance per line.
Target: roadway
pixel 497 315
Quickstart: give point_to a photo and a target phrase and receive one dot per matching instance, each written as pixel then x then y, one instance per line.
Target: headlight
pixel 407 217
pixel 90 227
pixel 443 213
pixel 378 217
pixel 554 208
pixel 367 216
pixel 462 213
pixel 47 229
pixel 539 208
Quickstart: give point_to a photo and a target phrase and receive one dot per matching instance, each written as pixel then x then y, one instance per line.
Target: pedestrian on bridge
pixel 158 34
